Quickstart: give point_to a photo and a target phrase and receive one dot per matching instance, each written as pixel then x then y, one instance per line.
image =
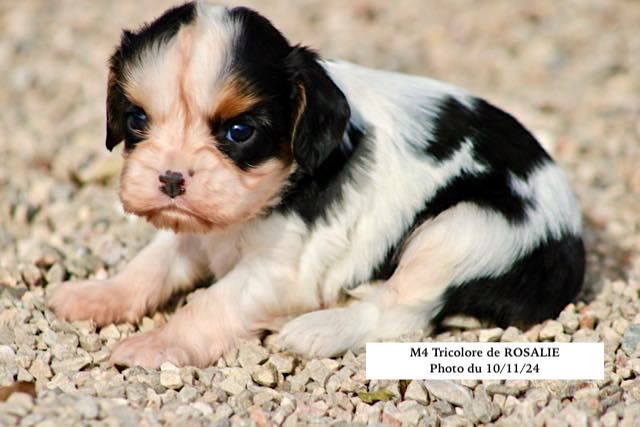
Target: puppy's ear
pixel 320 112
pixel 116 102
pixel 116 99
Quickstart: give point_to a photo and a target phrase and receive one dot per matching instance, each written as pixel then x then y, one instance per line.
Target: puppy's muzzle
pixel 172 183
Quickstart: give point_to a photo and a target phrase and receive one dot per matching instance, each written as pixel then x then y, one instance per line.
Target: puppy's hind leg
pixel 402 304
pixel 461 243
pixel 169 263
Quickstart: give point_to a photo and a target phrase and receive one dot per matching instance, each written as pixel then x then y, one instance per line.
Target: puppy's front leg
pixel 248 299
pixel 169 263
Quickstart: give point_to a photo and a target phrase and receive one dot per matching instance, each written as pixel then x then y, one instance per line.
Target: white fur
pixel 281 269
pixel 275 272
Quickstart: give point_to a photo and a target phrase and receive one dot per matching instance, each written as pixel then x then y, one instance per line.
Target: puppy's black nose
pixel 172 183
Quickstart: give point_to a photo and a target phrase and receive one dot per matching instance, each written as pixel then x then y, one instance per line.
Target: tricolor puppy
pixel 298 183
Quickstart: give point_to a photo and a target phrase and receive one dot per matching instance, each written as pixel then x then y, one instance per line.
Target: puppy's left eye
pixel 240 132
pixel 136 120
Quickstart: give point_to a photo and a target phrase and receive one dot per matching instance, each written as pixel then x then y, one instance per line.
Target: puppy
pixel 296 181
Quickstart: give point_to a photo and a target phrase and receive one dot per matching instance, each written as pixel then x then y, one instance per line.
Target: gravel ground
pixel 570 70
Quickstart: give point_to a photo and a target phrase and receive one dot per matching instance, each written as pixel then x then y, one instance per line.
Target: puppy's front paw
pixel 99 300
pixel 151 349
pixel 328 333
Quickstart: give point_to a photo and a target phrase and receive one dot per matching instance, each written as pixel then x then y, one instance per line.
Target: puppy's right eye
pixel 136 123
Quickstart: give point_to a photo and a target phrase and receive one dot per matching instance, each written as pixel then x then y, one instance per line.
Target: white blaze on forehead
pixel 187 68
pixel 213 37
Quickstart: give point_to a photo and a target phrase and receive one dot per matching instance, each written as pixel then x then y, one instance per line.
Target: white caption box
pixel 487 361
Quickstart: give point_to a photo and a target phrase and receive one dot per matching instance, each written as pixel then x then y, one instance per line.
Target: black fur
pixel 499 140
pixel 537 287
pixel 323 120
pixel 312 195
pixel 132 44
pixel 258 58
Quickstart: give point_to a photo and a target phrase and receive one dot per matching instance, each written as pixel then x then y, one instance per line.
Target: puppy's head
pixel 216 110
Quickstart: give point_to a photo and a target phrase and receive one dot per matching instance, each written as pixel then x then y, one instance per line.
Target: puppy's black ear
pixel 116 100
pixel 321 111
pixel 116 103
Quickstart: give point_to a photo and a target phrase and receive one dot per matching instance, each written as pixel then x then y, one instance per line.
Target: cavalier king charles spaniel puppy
pixel 331 203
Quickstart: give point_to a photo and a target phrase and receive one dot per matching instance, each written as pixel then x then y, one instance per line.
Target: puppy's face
pixel 216 110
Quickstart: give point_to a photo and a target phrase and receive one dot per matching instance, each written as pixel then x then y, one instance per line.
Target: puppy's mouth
pixel 178 219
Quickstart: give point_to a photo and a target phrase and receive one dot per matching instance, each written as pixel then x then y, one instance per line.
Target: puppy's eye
pixel 136 120
pixel 240 132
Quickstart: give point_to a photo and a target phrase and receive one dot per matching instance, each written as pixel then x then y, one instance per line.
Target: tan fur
pixel 181 86
pixel 234 98
pixel 167 85
pixel 141 287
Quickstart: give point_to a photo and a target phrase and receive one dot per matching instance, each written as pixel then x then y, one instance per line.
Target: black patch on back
pixel 537 287
pixel 310 195
pixel 489 190
pixel 499 140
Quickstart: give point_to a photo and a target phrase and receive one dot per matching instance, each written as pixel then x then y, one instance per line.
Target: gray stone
pixel 490 335
pixel 574 416
pixel 501 389
pixel 136 392
pixel 449 391
pixel 222 412
pixel 318 371
pixel 550 329
pixel 19 404
pixel 570 321
pixel 283 363
pixel 630 339
pixel 73 364
pixel 538 395
pixel 265 375
pixel 32 275
pixel 40 370
pixel 461 321
pixel 170 376
pixel 236 380
pixel 110 332
pixel 188 394
pixel 416 391
pixel 631 413
pixel 24 375
pixel 510 404
pixel 203 408
pixel 7 356
pixel 442 408
pixel 87 407
pixel 409 413
pixel 549 412
pixel 610 419
pixel 90 342
pixel 299 381
pixel 63 382
pixel 251 354
pixel 55 274
pixel 102 355
pixel 6 335
pixel 481 410
pixel 455 421
pixel 125 415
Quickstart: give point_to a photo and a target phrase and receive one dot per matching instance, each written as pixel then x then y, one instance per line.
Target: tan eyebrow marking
pixel 235 97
